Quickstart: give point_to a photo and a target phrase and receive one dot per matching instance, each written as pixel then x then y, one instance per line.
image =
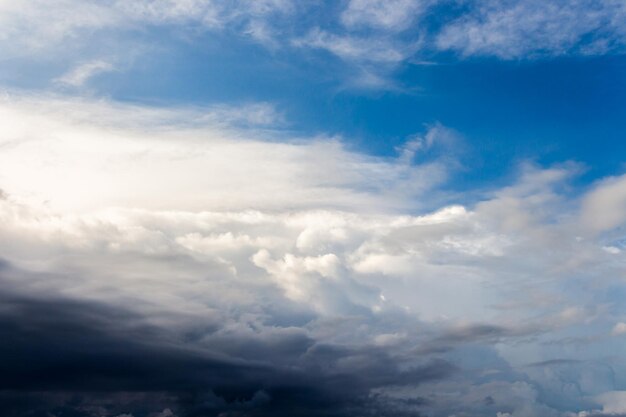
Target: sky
pixel 350 208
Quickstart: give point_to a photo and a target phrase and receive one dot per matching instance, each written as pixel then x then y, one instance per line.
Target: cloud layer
pixel 168 261
pixel 372 40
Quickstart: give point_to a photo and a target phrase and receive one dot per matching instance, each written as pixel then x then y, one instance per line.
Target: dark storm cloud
pixel 78 358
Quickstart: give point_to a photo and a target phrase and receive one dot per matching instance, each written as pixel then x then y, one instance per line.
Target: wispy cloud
pixel 79 75
pixel 353 48
pixel 395 15
pixel 526 29
pixel 374 39
pixel 372 59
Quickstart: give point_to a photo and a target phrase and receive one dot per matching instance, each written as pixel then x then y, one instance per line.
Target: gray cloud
pixel 54 345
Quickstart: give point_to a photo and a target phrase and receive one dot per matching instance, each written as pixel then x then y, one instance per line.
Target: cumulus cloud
pixel 619 329
pixel 205 260
pixel 603 207
pixel 613 403
pixel 188 260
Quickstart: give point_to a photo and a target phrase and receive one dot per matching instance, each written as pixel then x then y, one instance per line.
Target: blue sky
pixel 311 208
pixel 548 104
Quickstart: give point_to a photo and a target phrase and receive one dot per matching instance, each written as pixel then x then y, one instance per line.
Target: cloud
pixel 166 413
pixel 209 156
pixel 613 403
pixel 103 350
pixel 393 15
pixel 261 114
pixel 438 140
pixel 78 76
pixel 370 31
pixel 206 260
pixel 619 329
pixel 523 29
pixel 33 26
pixel 603 207
pixel 69 30
pixel 373 41
pixel 353 48
pixel 202 260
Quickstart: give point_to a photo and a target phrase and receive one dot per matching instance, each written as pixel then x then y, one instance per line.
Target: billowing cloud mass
pixel 160 263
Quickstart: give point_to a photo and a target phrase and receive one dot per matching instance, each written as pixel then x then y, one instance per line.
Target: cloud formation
pixel 522 29
pixel 176 248
pixel 82 73
pixel 373 40
pixel 181 262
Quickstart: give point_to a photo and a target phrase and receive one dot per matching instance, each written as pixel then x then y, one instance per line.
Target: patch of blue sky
pixel 547 109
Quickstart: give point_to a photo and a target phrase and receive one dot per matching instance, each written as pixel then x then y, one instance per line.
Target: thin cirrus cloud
pixel 78 76
pixel 374 39
pixel 392 15
pixel 519 29
pixel 50 24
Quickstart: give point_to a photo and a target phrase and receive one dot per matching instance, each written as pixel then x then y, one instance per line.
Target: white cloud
pixel 437 138
pixel 34 25
pixel 619 329
pixel 188 221
pixel 42 27
pixel 79 75
pixel 612 250
pixel 613 402
pixel 354 48
pixel 80 154
pixel 373 39
pixel 604 208
pixel 392 15
pixel 321 223
pixel 527 28
pixel 166 11
pixel 250 114
pixel 372 59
